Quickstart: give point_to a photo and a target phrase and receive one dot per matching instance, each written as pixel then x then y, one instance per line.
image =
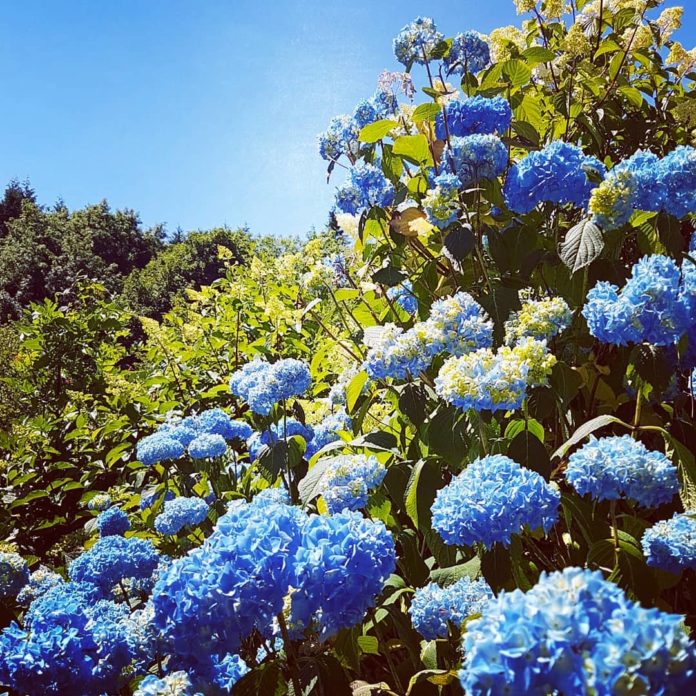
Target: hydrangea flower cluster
pixel 434 608
pixel 113 522
pixel 40 581
pixel 366 187
pixel 348 481
pixel 14 574
pixel 621 467
pixel 174 684
pixel 327 431
pixel 381 105
pixel 158 447
pixel 214 421
pixel 341 137
pixel 476 115
pixel 179 513
pixel 207 446
pixel 341 567
pixel 149 498
pixel 575 633
pixel 70 643
pixel 654 305
pixel 456 324
pixel 416 42
pixel 475 157
pixel 113 559
pixel 492 499
pixel 403 295
pixel 262 384
pixel 646 182
pixel 469 53
pixel 560 173
pixel 100 501
pixel 484 380
pixel 671 544
pixel 541 319
pixel 441 202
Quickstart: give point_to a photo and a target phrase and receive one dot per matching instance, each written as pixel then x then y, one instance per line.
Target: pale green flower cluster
pixel 541 319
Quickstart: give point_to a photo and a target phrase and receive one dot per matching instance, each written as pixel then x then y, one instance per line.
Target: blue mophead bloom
pixel 210 600
pixel 173 684
pixel 113 522
pixel 327 431
pixel 262 384
pixel 677 181
pixel 575 633
pixel 215 421
pixel 348 481
pixel 492 499
pixel 403 295
pixel 14 574
pixel 158 447
pixel 366 187
pixel 671 544
pixel 71 643
pixel 148 499
pixel 560 173
pixel 381 105
pixel 340 138
pixel 475 157
pixel 416 42
pixel 469 53
pixel 434 608
pixel 621 467
pixel 207 446
pixel 476 115
pixel 341 567
pixel 228 671
pixel 112 560
pixel 654 306
pixel 179 513
pixel 462 324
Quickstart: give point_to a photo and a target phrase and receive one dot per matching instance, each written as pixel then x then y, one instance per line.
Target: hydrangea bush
pixel 447 446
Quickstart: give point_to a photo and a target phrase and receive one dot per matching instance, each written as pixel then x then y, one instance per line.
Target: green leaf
pixel 369 645
pixel 373 132
pixel 389 276
pixel 633 95
pixel 526 449
pixel 420 492
pixel 582 245
pixel 448 576
pixel 517 426
pixel 587 429
pixel 538 54
pixel 414 148
pixel 412 403
pixel 459 241
pixel 354 389
pixel 426 112
pixel 312 485
pixel 517 72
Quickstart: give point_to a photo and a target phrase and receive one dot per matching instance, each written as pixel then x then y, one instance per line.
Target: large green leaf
pixel 373 132
pixel 582 245
pixel 414 148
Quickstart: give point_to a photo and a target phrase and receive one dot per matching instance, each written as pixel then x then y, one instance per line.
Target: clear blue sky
pixel 198 113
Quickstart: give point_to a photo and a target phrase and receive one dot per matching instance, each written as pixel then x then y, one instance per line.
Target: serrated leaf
pixel 413 148
pixel 517 72
pixel 355 387
pixel 448 576
pixel 373 132
pixel 312 485
pixel 420 492
pixel 587 429
pixel 582 245
pixel 426 112
pixel 459 241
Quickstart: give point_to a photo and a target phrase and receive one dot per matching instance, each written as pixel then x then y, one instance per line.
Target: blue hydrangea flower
pixel 340 138
pixel 277 432
pixel 114 559
pixel 462 324
pixel 441 202
pixel 182 429
pixel 40 581
pixel 327 431
pixel 14 574
pixel 382 105
pixel 174 684
pixel 403 295
pixel 100 501
pixel 348 481
pixel 113 522
pixel 677 180
pixel 207 446
pixel 416 42
pixel 621 467
pixel 215 421
pixel 158 448
pixel 179 513
pixel 475 157
pixel 210 600
pixel 341 567
pixel 560 173
pixel 671 544
pixel 469 53
pixel 70 644
pixel 262 384
pixel 433 607
pixel 492 499
pixel 366 187
pixel 575 633
pixel 476 115
pixel 228 671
